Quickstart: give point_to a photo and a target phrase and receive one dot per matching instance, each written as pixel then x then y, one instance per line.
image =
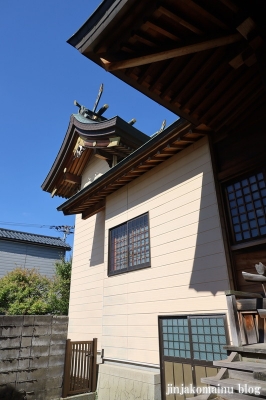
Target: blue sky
pixel 41 76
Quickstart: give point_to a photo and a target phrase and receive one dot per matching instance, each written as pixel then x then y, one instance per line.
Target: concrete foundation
pixel 117 382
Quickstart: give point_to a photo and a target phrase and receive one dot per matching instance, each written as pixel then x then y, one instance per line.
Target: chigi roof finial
pixel 93 115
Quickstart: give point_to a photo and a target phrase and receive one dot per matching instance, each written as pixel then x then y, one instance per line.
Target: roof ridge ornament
pixel 161 129
pixel 93 115
pixel 132 121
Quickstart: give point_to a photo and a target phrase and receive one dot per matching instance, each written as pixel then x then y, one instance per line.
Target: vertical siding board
pixel 25 255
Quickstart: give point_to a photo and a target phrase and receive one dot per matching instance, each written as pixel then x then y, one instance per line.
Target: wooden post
pixel 66 379
pixel 94 366
pixel 233 320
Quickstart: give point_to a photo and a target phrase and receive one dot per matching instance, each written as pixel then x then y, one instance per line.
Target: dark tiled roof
pixel 8 234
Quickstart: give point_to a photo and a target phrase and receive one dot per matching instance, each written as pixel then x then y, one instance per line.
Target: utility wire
pixel 24 224
pixel 66 229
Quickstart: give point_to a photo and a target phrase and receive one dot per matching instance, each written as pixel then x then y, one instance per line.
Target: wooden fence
pixel 80 367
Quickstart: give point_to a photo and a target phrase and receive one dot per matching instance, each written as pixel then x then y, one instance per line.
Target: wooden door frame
pixel 190 361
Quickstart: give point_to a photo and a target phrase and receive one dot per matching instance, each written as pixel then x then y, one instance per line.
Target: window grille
pixel 199 338
pixel 247 204
pixel 129 246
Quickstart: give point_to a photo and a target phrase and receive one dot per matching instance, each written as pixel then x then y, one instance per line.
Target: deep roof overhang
pixel 159 148
pixel 64 177
pixel 203 60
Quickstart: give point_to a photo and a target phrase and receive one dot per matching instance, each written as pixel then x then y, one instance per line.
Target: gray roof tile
pixel 8 234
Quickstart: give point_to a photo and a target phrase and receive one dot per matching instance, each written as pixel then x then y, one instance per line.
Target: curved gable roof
pixel 64 176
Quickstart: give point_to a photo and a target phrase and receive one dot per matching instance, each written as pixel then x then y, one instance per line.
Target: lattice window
pixel 195 338
pixel 130 245
pixel 247 203
pixel 176 338
pixel 208 338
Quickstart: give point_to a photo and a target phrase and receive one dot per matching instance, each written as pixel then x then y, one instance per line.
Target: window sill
pixel 248 244
pixel 125 271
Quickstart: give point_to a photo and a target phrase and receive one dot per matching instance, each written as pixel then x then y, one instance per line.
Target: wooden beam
pixel 120 37
pixel 174 146
pixel 172 149
pixel 204 98
pixel 53 192
pixel 162 155
pixel 201 132
pixel 233 320
pixel 246 27
pixel 147 166
pixel 179 20
pixel 217 101
pixel 177 52
pixel 205 14
pixel 185 140
pixel 241 97
pixel 135 173
pixel 72 178
pixel 102 156
pixel 200 75
pixel 242 58
pixel 152 25
pixel 148 71
pixel 142 37
pixel 89 212
pixel 166 72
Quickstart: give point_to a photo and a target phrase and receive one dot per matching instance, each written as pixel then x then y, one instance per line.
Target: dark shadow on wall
pixel 210 270
pixel 97 249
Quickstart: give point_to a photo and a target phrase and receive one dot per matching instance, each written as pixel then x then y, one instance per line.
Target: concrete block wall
pixel 32 354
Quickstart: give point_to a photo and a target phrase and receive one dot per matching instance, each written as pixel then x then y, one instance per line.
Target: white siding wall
pixel 95 168
pixel 188 271
pixel 85 311
pixel 15 254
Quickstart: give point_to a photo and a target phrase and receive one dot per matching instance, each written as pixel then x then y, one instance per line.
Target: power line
pixel 24 224
pixel 65 229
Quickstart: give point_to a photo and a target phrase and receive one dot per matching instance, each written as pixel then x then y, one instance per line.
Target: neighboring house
pixel 28 250
pixel 163 232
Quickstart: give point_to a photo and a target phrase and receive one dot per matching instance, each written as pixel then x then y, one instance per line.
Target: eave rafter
pixel 180 53
pixel 203 60
pixel 93 201
pixel 168 54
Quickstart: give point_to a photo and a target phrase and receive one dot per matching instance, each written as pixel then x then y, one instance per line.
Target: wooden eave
pixel 174 139
pixel 64 178
pixel 204 60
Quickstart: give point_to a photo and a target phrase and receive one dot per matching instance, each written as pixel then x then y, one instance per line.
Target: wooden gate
pixel 80 367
